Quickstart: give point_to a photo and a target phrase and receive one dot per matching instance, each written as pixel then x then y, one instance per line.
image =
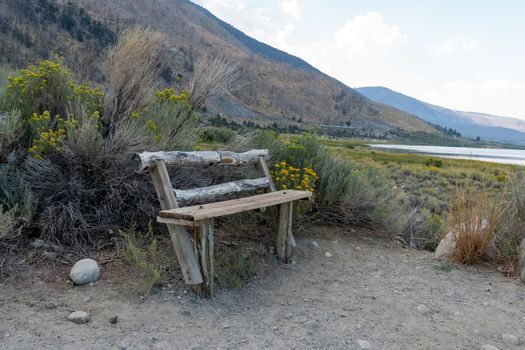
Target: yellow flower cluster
pixel 34 84
pixel 286 176
pixel 47 140
pixel 170 94
pixel 150 124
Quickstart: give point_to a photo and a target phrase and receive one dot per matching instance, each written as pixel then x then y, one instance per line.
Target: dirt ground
pixel 368 289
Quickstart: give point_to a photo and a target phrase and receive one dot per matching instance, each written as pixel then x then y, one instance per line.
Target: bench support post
pixel 203 247
pixel 180 238
pixel 285 238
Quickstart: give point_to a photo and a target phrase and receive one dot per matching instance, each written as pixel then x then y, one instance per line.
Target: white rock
pixel 510 339
pixel 489 347
pixel 447 245
pixel 78 317
pixel 423 309
pixel 363 344
pixel 328 254
pixel 313 246
pixel 85 271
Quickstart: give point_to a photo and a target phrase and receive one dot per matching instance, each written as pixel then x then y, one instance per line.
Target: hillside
pixel 277 86
pixel 487 127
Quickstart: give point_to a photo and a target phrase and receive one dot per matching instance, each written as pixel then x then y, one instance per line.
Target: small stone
pixel 113 320
pixel 423 309
pixel 510 339
pixel 489 347
pixel 353 230
pixel 186 313
pixel 328 254
pixel 87 299
pixel 312 324
pixel 225 326
pixel 363 344
pixel 78 317
pixel 313 246
pixel 85 271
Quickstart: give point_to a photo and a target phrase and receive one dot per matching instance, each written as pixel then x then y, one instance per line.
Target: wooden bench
pixel 195 248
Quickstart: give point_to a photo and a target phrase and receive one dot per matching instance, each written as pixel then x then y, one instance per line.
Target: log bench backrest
pixel 185 197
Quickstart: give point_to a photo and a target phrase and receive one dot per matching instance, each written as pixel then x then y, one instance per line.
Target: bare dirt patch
pixel 368 289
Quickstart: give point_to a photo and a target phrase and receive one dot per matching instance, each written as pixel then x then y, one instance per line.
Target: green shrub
pixel 217 135
pixel 16 196
pixel 234 267
pixel 49 87
pixel 7 222
pixel 346 192
pixel 11 133
pixel 511 230
pixel 438 163
pixel 141 251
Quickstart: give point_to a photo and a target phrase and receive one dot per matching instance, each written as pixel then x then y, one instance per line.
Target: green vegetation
pixel 141 251
pixel 235 266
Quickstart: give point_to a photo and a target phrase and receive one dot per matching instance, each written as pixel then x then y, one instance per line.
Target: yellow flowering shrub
pixel 49 131
pixel 170 95
pixel 50 87
pixel 47 137
pixel 44 94
pixel 286 176
pixel 160 118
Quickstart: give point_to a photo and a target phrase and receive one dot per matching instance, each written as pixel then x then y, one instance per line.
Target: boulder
pixel 85 271
pixel 313 246
pixel 447 245
pixel 79 317
pixel 521 260
pixel 510 339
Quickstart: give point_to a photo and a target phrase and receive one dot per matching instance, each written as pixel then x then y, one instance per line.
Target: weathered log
pixel 203 247
pixel 284 240
pixel 182 242
pixel 146 160
pixel 220 192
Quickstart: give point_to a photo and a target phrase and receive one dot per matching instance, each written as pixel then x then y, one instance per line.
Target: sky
pixel 461 54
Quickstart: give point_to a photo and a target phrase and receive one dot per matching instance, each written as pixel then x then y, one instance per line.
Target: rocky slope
pixel 278 86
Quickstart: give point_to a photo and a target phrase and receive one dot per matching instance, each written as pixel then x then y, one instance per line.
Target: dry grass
pixel 89 190
pixel 473 218
pixel 133 67
pixel 212 75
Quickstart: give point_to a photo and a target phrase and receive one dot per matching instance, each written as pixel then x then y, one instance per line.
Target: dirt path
pixel 369 289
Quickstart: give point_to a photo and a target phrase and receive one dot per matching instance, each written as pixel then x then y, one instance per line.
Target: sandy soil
pixel 369 289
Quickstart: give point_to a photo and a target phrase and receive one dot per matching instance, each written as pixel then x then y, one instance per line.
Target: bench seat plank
pixel 207 211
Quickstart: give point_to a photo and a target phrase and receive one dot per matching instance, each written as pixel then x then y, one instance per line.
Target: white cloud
pixel 262 14
pixel 453 44
pixel 500 97
pixel 282 34
pixel 370 35
pixel 234 12
pixel 292 8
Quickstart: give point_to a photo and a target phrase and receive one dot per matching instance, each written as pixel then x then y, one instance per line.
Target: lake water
pixel 496 155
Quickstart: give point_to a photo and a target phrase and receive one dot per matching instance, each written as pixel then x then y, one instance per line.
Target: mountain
pixel 470 124
pixel 278 86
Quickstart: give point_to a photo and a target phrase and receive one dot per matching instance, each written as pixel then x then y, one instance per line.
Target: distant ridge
pixel 487 127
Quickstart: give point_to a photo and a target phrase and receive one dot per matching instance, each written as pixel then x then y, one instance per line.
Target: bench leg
pixel 285 238
pixel 203 247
